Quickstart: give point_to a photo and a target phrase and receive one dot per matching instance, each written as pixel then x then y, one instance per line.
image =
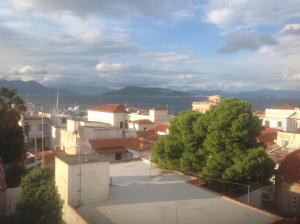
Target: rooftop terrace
pixel 164 197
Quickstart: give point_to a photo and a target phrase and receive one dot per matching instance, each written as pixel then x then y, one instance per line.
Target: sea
pixel 173 103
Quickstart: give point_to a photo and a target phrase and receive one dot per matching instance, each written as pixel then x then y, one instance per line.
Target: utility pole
pixel 42 141
pixel 57 96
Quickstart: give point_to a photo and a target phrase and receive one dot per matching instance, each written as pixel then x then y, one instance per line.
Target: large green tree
pixel 11 134
pixel 219 144
pixel 39 201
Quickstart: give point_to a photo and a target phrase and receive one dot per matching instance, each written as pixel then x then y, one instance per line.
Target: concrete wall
pixel 293 139
pixel 82 184
pixel 136 116
pixel 68 141
pixel 94 133
pixel 8 200
pixel 72 216
pixel 79 185
pixel 287 196
pixel 158 116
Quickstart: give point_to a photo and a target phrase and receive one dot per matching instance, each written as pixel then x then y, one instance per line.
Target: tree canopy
pixel 11 134
pixel 39 201
pixel 219 144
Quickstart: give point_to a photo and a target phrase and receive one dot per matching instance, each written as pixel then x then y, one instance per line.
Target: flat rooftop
pixel 164 197
pixel 83 158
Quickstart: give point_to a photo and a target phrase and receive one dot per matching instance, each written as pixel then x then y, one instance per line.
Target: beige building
pixel 203 106
pixel 287 184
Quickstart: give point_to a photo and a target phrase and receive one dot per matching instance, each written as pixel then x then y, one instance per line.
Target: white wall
pixel 293 139
pixel 286 117
pixel 93 186
pixel 101 117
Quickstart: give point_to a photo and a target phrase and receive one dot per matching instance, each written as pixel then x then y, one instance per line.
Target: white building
pixel 155 115
pixel 114 114
pixel 285 117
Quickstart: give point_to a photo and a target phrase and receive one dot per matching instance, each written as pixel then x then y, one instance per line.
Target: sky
pixel 231 45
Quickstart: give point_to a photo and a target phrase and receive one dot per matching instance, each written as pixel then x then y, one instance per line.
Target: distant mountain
pixel 209 93
pixel 269 93
pixel 33 88
pixel 141 91
pixel 88 90
pixel 263 93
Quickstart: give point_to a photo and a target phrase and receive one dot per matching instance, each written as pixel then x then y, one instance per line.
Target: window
pixel 64 120
pixel 121 124
pixel 118 156
pixel 294 203
pixel 45 128
pixel 27 129
pixel 267 124
pixel 279 124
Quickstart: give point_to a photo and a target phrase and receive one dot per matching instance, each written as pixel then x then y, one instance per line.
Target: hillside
pixel 33 88
pixel 150 91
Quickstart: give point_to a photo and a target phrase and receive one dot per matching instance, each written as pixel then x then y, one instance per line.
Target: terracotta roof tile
pixel 110 108
pixel 148 135
pixel 160 127
pixel 286 107
pixel 106 145
pixel 267 136
pixel 289 168
pixel 142 121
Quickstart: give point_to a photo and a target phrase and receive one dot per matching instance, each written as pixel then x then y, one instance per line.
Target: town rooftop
pixel 165 197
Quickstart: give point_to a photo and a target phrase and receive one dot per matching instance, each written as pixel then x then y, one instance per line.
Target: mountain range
pixel 34 88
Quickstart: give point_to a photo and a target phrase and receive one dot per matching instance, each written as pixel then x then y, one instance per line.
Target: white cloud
pixel 291 29
pixel 110 67
pixel 26 69
pixel 293 77
pixel 220 17
pixel 241 14
pixel 24 5
pixel 91 36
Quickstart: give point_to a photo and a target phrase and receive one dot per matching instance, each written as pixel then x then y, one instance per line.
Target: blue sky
pixel 233 45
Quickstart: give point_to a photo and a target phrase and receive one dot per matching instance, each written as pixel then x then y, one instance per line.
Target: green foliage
pixel 11 135
pixel 11 107
pixel 39 201
pixel 11 144
pixel 13 174
pixel 219 144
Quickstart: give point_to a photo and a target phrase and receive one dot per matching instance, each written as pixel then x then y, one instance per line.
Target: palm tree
pixel 11 107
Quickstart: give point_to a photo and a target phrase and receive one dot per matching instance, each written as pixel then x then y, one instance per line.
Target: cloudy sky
pixel 232 45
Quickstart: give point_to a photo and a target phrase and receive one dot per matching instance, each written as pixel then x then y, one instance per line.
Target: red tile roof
pixel 160 127
pixel 148 135
pixel 106 145
pixel 286 107
pixel 267 136
pixel 289 168
pixel 110 108
pixel 142 121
